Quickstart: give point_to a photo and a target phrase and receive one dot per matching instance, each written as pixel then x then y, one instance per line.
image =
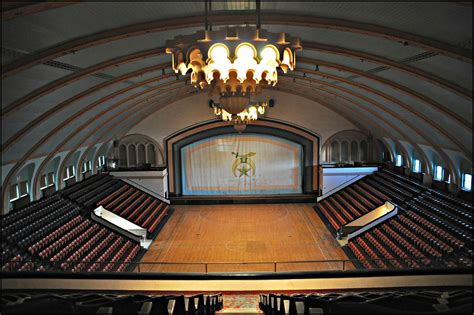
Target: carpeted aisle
pixel 240 304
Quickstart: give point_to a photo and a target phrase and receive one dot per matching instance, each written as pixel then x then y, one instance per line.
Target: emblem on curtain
pixel 243 164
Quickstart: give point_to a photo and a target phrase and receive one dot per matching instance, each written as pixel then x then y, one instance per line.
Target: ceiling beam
pixel 76 76
pixel 243 17
pixel 47 114
pixel 419 73
pixel 19 9
pixel 394 85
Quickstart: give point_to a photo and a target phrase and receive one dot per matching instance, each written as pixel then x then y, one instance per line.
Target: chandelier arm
pixel 206 22
pixel 210 13
pixel 257 5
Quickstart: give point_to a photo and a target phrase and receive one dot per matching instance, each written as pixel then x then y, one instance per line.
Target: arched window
pixel 132 155
pixel 354 151
pixel 122 156
pixel 363 150
pixel 344 151
pixel 141 154
pixel 335 151
pixel 151 154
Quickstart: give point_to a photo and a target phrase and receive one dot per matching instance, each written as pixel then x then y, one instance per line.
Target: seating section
pixel 87 303
pixel 120 198
pixel 353 202
pixel 89 191
pixel 432 229
pixel 135 206
pixel 379 302
pixel 64 241
pixel 55 233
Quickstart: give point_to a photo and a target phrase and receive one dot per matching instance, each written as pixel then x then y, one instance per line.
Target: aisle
pixel 240 304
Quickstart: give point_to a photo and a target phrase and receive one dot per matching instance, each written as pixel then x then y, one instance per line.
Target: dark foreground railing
pixel 239 267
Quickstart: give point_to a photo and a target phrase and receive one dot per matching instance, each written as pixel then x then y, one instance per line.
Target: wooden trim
pixel 9 142
pixel 405 90
pixel 428 77
pixel 223 18
pixel 387 97
pixel 30 9
pixel 64 81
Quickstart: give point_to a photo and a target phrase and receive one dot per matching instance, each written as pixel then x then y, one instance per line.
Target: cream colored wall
pixel 289 108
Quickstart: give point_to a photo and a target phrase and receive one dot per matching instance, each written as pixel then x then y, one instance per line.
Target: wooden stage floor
pixel 251 233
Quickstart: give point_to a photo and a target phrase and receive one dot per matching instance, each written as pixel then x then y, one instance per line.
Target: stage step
pixel 254 199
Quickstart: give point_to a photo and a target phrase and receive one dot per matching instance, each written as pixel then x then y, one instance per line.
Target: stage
pixel 243 238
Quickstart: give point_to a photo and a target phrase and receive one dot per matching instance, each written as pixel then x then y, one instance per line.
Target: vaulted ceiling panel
pixel 27 81
pixel 448 68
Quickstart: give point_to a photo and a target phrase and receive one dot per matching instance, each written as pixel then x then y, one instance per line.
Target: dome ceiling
pixel 77 74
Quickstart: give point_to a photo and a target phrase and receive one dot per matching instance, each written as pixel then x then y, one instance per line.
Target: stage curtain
pixel 241 164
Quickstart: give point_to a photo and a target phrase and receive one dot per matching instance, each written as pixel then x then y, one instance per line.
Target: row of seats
pixel 84 303
pixel 34 207
pixel 136 206
pixel 379 302
pixel 54 235
pixel 351 203
pixel 10 226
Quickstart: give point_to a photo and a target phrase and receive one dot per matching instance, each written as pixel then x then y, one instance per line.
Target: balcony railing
pixel 248 267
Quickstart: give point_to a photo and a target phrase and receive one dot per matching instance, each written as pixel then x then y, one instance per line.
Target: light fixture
pixel 230 109
pixel 233 64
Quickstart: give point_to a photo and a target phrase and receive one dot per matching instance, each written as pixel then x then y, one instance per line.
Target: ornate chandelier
pixel 232 64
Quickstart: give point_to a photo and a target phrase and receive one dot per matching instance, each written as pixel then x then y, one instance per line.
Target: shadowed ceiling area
pixel 78 74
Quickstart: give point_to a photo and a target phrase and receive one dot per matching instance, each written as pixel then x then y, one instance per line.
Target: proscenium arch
pixel 309 140
pixel 223 18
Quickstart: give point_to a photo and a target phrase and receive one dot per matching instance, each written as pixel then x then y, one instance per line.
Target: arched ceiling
pixel 79 73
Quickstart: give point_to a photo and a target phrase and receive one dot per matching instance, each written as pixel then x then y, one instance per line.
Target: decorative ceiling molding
pixel 243 17
pixel 19 9
pixel 10 141
pixel 398 65
pixel 64 81
pixel 401 88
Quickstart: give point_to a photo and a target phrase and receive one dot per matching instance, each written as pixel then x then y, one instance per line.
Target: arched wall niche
pixel 137 150
pixel 52 167
pixel 401 150
pixel 309 141
pixel 25 174
pixel 88 156
pixel 347 146
pixel 383 151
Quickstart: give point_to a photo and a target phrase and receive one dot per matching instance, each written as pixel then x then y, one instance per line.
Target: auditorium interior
pixel 236 157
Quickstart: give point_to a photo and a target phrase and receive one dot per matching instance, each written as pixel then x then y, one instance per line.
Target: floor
pixel 239 238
